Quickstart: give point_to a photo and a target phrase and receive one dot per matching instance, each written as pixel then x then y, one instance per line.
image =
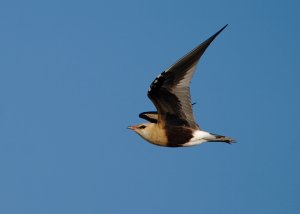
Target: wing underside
pixel 170 91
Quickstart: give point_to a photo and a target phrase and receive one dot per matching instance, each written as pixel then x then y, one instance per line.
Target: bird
pixel 173 124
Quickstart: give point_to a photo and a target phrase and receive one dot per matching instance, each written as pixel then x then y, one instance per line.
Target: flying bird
pixel 173 124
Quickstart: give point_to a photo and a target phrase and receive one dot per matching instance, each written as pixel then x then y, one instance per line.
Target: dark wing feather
pixel 151 116
pixel 170 91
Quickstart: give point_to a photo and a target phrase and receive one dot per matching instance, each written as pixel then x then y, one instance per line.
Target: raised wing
pixel 170 91
pixel 151 116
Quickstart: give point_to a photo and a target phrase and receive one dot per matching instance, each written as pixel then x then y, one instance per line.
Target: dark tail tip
pixel 221 138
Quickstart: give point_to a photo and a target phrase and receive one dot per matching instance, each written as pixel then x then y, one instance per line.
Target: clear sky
pixel 74 75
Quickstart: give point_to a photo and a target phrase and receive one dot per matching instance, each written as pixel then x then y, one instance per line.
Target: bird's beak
pixel 131 127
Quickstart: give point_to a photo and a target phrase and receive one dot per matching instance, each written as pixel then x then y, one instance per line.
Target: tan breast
pixel 156 135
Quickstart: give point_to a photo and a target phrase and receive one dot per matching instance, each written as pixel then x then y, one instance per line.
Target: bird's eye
pixel 142 127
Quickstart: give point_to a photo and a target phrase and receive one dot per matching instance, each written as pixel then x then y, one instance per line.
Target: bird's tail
pixel 221 138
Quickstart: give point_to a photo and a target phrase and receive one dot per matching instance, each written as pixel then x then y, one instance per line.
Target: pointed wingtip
pixel 202 47
pixel 224 27
pixel 217 33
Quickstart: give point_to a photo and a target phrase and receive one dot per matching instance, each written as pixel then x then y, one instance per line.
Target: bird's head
pixel 142 129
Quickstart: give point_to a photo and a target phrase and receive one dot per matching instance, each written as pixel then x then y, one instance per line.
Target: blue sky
pixel 74 75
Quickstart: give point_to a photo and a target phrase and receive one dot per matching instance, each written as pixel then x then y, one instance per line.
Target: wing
pixel 151 116
pixel 170 91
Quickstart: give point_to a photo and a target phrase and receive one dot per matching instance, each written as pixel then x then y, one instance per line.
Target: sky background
pixel 74 75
